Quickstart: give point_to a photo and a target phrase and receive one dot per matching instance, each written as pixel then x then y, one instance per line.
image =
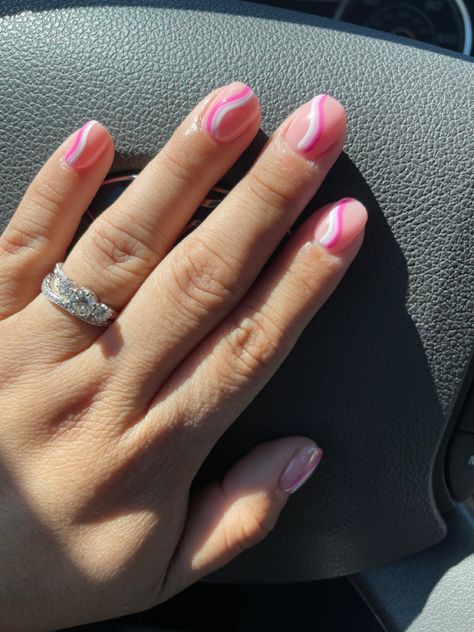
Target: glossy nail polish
pixel 300 468
pixel 231 112
pixel 340 225
pixel 315 126
pixel 86 145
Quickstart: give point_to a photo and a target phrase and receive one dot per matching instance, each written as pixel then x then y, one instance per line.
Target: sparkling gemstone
pixel 101 312
pixel 82 302
pixel 64 286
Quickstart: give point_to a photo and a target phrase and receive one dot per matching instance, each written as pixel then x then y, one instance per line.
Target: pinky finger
pixel 44 224
pixel 231 515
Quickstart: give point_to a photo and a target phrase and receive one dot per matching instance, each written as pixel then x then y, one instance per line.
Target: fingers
pixel 130 238
pixel 44 224
pixel 227 370
pixel 234 514
pixel 207 273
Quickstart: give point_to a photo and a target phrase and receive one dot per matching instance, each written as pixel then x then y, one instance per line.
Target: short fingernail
pixel 315 126
pixel 300 468
pixel 340 225
pixel 231 112
pixel 86 145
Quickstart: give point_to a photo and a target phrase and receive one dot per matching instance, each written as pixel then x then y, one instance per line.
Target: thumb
pixel 231 515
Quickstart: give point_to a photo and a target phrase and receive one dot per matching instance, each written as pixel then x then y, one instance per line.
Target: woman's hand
pixel 103 430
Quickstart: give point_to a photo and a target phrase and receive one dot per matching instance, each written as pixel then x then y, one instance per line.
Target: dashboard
pixel 445 23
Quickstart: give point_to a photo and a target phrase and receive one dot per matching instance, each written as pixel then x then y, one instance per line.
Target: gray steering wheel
pixel 380 374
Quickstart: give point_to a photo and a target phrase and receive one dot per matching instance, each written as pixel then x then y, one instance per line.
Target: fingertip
pixel 339 225
pixel 335 119
pixel 300 467
pixel 316 127
pixel 87 145
pixel 272 465
pixel 233 109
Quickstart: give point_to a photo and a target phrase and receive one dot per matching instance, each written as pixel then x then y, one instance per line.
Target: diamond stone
pixel 101 312
pixel 64 286
pixel 82 302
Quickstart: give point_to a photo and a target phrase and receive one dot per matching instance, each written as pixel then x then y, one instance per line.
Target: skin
pixel 103 430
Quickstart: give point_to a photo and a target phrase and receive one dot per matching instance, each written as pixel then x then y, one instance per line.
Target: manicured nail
pixel 86 145
pixel 315 126
pixel 340 225
pixel 300 468
pixel 231 112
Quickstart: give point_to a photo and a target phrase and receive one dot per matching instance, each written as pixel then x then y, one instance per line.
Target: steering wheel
pixel 380 375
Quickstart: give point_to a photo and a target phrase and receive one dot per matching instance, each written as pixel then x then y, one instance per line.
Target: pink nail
pixel 86 145
pixel 231 112
pixel 340 225
pixel 300 468
pixel 315 126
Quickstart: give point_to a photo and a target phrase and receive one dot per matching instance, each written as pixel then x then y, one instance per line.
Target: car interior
pixel 383 376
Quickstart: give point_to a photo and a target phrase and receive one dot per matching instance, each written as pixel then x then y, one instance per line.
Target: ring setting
pixel 78 301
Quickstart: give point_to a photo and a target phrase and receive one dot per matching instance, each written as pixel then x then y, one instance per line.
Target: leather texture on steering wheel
pixel 375 376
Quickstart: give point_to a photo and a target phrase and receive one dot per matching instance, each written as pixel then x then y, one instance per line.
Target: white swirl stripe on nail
pixel 222 109
pixel 334 228
pixel 315 127
pixel 80 143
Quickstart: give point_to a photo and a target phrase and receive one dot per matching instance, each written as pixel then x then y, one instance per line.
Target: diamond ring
pixel 78 301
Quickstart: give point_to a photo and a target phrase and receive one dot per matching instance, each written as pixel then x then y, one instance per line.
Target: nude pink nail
pixel 300 468
pixel 86 145
pixel 315 126
pixel 340 225
pixel 231 112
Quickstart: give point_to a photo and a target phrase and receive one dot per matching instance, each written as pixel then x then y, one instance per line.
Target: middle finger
pixel 130 238
pixel 207 273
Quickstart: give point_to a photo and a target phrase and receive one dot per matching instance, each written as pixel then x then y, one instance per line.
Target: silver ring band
pixel 81 302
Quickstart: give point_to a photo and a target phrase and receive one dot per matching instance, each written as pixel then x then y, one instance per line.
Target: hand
pixel 103 429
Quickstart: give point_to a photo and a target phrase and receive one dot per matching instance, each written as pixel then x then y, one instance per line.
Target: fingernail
pixel 315 126
pixel 86 145
pixel 340 225
pixel 300 468
pixel 231 112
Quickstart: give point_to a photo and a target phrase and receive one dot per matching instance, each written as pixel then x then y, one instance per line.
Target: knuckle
pixel 30 227
pixel 45 197
pixel 255 345
pixel 203 277
pixel 305 285
pixel 310 277
pixel 118 249
pixel 18 238
pixel 270 190
pixel 251 526
pixel 181 169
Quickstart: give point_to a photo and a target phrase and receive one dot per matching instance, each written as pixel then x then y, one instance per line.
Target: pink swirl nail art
pixel 86 145
pixel 334 225
pixel 232 112
pixel 341 224
pixel 315 124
